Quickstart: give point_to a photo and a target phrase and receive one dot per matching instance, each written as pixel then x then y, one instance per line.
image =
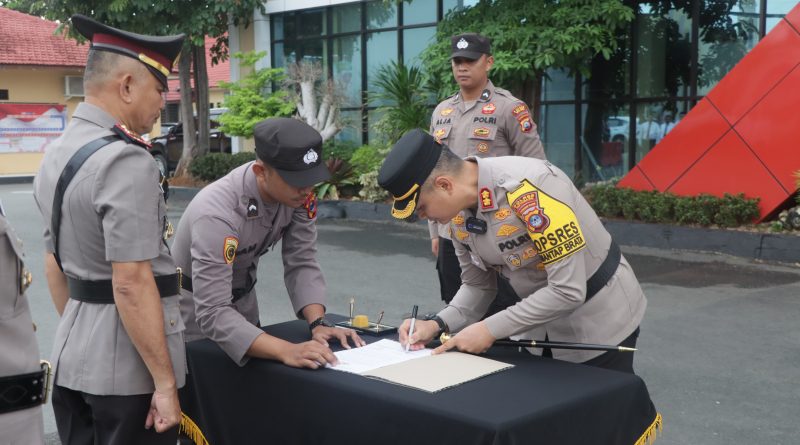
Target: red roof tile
pixel 216 73
pixel 29 40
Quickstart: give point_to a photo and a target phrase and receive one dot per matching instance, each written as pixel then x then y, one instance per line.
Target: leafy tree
pixel 529 37
pixel 195 18
pixel 248 102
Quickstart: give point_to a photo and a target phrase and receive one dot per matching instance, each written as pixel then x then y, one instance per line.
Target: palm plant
pixel 399 88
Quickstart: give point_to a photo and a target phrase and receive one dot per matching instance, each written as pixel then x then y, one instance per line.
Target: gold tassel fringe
pixel 651 433
pixel 191 430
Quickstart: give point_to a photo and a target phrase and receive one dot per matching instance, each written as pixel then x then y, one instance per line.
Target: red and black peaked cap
pixel 158 53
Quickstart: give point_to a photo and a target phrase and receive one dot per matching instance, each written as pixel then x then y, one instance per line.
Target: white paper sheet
pixel 375 355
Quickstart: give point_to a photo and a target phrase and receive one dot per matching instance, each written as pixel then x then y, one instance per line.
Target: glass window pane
pixel 381 15
pixel 373 135
pixel 278 60
pixel 347 68
pixel 313 51
pixel 449 5
pixel 419 11
pixel 557 130
pixel 312 23
pixel 414 42
pixel 347 18
pixel 558 85
pixel 284 54
pixel 656 120
pixel 731 31
pixel 776 9
pixel 277 26
pixel 605 140
pixel 351 130
pixel 664 50
pixel 381 49
pixel 610 78
pixel 289 26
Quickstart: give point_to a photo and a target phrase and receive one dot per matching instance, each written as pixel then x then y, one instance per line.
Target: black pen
pixel 411 328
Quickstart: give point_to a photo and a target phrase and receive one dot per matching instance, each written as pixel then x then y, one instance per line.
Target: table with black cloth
pixel 538 401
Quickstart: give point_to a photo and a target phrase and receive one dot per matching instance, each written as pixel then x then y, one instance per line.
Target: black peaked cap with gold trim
pixel 158 53
pixel 407 166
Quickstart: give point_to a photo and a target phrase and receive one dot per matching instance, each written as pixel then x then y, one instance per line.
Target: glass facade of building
pixel 594 128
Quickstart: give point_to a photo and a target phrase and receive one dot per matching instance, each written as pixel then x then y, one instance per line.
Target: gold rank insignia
pixel 488 108
pixel 229 252
pixel 487 202
pixel 506 230
pixel 483 147
pixel 25 279
pixel 458 220
pixel 462 235
pixel 439 133
pixel 169 230
pixel 502 214
pixel 447 111
pixel 481 132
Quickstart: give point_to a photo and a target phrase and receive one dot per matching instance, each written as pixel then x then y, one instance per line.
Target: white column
pixel 234 47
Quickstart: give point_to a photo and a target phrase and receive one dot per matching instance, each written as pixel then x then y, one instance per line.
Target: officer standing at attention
pixel 484 121
pixel 118 354
pixel 232 222
pixel 522 218
pixel 22 381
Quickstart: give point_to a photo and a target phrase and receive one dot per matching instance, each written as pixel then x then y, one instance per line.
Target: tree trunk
pixel 187 113
pixel 201 88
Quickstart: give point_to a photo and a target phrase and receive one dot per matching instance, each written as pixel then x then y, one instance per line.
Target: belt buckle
pixel 180 278
pixel 48 374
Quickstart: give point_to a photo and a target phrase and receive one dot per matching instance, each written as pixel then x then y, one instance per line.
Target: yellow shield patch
pixel 231 243
pixel 552 225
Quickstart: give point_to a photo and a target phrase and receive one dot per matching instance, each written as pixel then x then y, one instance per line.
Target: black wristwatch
pixel 321 321
pixel 442 325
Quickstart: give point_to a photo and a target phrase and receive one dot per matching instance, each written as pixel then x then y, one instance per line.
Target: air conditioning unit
pixel 73 86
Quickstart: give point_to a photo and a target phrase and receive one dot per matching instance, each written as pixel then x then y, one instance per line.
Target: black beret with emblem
pixel 158 53
pixel 470 46
pixel 293 148
pixel 407 166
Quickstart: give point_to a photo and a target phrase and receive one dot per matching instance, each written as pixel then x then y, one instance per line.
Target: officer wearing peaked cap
pixel 22 380
pixel 118 355
pixel 522 218
pixel 484 121
pixel 232 222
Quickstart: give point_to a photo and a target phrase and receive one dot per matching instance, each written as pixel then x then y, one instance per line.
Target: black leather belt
pixel 604 273
pixel 23 391
pixel 237 293
pixel 102 291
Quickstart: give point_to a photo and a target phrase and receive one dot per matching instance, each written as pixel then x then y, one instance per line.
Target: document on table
pixel 387 360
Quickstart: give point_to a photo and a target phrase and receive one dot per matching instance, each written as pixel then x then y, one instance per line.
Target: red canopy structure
pixel 743 137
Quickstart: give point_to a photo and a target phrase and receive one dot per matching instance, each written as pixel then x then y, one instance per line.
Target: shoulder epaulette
pixel 129 136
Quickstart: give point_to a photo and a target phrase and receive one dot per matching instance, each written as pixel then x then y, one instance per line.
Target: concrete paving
pixel 718 348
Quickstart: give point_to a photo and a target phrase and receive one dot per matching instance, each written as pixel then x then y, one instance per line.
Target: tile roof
pixel 220 71
pixel 29 40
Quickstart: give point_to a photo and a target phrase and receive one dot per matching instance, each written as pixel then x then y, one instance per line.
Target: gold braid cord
pixel 406 212
pixel 191 430
pixel 651 433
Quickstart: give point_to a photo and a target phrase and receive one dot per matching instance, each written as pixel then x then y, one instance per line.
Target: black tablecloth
pixel 538 401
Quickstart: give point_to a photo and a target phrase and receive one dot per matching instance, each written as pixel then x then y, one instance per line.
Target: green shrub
pixel 652 206
pixel 334 149
pixel 213 166
pixel 368 158
pixel 370 190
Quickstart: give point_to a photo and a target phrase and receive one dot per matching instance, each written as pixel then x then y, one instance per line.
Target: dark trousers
pixel 614 360
pixel 450 280
pixel 86 419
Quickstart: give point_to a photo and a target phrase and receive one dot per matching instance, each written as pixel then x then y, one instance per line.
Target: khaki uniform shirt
pixel 547 241
pixel 222 234
pixel 497 124
pixel 113 211
pixel 19 352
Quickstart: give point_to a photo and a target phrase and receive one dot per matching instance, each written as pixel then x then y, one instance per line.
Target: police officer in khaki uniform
pixel 22 381
pixel 484 121
pixel 522 218
pixel 118 354
pixel 231 223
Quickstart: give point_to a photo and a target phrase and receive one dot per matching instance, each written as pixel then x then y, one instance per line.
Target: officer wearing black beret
pixel 118 354
pixel 480 120
pixel 522 218
pixel 232 222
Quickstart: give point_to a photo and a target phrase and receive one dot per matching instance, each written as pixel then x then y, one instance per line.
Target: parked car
pixel 167 149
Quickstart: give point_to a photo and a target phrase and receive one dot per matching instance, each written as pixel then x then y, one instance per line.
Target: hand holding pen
pixel 411 328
